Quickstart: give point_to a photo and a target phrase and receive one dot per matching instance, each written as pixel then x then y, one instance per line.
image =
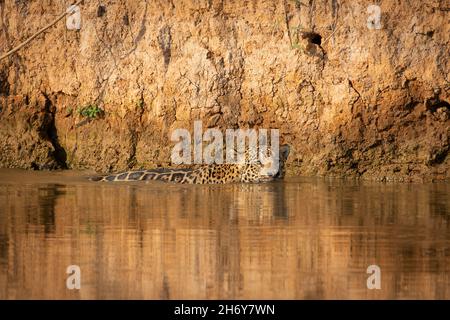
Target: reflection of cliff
pixel 225 241
pixel 351 101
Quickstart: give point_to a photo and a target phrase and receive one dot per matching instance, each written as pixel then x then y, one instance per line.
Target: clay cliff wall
pixel 352 99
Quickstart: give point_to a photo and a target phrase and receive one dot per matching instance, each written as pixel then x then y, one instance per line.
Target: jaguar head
pixel 265 167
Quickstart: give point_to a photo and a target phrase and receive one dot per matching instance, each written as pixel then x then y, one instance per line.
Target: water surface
pixel 297 239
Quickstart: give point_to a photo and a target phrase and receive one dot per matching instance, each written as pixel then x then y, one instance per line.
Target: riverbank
pixel 352 101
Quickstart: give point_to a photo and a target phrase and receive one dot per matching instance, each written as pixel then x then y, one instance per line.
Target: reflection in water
pixel 303 238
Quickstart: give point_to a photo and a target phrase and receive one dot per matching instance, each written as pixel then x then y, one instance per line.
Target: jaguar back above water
pixel 252 170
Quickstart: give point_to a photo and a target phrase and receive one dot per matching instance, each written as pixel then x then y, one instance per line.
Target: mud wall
pixel 351 99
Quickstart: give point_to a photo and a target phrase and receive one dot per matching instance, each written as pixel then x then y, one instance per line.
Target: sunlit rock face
pixel 356 90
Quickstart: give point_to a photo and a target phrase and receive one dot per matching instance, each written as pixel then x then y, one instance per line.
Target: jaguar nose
pixel 272 173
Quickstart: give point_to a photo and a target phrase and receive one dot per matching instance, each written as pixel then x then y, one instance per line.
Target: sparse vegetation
pixel 297 46
pixel 296 38
pixel 297 3
pixel 91 111
pixel 69 111
pixel 140 104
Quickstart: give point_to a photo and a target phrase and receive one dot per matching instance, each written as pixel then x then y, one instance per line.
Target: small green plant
pixel 69 111
pixel 298 3
pixel 140 104
pixel 296 35
pixel 298 46
pixel 91 111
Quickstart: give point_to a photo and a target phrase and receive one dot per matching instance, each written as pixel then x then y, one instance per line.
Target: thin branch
pixel 23 44
pixel 329 37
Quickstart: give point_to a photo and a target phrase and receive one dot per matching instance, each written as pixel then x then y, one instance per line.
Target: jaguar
pixel 251 170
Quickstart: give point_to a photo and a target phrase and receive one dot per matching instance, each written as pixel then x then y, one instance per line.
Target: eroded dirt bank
pixel 352 101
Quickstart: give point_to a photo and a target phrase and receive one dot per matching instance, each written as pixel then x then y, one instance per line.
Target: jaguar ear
pixel 284 151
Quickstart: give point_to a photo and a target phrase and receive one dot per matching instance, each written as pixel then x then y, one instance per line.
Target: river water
pixel 303 238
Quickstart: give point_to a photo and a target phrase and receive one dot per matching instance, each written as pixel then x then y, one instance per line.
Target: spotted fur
pixel 251 171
